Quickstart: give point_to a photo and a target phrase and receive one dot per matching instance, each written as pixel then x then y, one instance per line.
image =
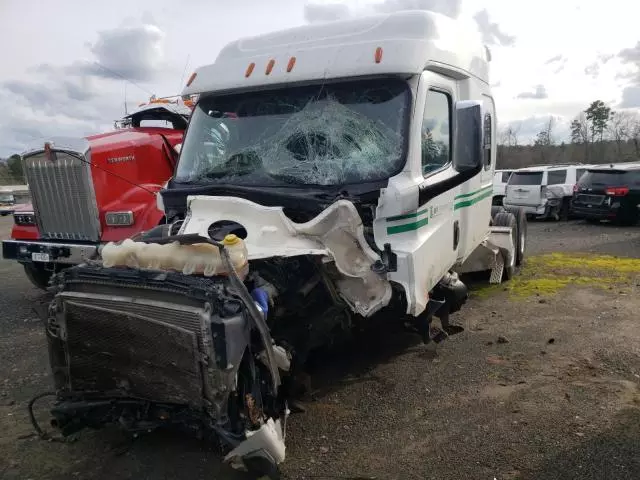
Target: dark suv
pixel 609 193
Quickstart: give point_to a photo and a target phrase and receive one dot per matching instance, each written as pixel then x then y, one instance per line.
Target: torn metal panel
pixel 336 233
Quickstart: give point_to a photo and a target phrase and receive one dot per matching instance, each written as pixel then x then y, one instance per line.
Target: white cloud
pixel 134 52
pixel 557 58
pixel 492 33
pixel 328 10
pixel 539 93
pixel 631 97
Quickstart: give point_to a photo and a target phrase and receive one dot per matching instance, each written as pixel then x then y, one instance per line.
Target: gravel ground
pixel 537 387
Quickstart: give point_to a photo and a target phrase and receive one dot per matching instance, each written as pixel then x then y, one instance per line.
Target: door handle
pixel 456 234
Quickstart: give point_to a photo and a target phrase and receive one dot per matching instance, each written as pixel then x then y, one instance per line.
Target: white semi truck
pixel 329 174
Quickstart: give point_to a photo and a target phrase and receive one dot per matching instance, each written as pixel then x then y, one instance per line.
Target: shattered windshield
pixel 335 134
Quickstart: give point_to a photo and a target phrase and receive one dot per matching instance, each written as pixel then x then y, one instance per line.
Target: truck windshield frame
pixel 340 133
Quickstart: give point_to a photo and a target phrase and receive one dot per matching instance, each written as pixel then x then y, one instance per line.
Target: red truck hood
pixel 128 167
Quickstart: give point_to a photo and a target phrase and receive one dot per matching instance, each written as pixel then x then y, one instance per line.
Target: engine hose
pixel 41 433
pixel 258 318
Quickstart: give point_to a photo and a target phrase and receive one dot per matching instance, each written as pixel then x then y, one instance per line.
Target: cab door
pixel 441 239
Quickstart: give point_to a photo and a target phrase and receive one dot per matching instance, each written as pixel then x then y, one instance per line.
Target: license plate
pixel 40 257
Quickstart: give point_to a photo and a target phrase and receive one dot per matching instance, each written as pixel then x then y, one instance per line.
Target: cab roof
pixel 404 43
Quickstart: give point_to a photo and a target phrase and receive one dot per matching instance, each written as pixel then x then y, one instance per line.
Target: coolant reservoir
pixel 123 254
pixel 238 253
pixel 200 258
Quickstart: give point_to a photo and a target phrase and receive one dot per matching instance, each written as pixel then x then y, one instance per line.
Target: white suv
pixel 544 190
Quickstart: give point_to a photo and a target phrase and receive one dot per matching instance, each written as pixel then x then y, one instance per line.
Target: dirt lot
pixel 543 384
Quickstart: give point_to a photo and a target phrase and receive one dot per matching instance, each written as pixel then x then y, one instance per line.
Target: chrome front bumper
pixel 36 251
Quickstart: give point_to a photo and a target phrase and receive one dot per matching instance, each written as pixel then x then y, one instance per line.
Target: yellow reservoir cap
pixel 230 239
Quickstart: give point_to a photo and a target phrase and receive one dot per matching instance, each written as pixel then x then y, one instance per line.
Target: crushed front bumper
pixel 26 251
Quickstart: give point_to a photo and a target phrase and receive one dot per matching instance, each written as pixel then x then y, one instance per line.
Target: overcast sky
pixel 63 61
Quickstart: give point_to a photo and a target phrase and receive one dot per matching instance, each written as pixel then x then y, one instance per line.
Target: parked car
pixel 544 191
pixel 500 179
pixel 609 193
pixel 7 204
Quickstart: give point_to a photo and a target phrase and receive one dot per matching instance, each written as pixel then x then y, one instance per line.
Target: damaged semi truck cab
pixel 329 174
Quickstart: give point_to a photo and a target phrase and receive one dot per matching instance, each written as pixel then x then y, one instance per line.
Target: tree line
pixel 11 171
pixel 598 135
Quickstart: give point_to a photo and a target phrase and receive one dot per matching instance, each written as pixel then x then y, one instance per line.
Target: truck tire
pixel 522 226
pixel 508 219
pixel 496 209
pixel 37 275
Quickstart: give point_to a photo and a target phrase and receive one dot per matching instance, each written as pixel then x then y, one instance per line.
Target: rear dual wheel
pixel 515 219
pixel 521 226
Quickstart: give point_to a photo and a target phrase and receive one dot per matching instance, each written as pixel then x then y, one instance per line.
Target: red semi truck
pixel 89 191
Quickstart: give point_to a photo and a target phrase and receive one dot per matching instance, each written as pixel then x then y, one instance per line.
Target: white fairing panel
pixel 335 234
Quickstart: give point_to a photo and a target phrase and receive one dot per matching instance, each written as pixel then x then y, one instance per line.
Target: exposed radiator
pixel 111 349
pixel 159 337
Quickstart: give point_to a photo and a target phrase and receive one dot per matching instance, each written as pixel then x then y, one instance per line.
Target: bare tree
pixel 581 133
pixel 620 129
pixel 544 140
pixel 634 135
pixel 513 131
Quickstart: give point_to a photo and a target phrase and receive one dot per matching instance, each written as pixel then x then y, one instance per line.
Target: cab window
pixel 436 132
pixel 487 142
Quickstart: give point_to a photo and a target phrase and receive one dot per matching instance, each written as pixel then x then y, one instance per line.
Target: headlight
pixel 28 218
pixel 119 219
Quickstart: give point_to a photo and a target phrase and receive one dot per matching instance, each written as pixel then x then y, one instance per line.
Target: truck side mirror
pixel 468 151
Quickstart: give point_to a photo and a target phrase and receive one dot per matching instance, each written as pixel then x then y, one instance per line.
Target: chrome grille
pixel 63 196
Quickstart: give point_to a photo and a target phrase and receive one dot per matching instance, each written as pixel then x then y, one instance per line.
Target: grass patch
pixel 548 274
